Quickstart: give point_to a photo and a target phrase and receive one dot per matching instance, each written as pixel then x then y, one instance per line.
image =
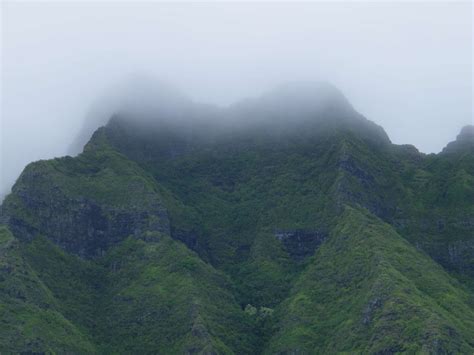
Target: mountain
pixel 283 224
pixel 464 142
pixel 369 291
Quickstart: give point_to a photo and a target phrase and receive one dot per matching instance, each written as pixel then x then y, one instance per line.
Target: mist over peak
pixel 291 113
pixel 304 107
pixel 295 101
pixel 154 103
pixel 140 97
pixel 53 78
pixel 464 141
pixel 145 95
pixel 312 95
pixel 466 134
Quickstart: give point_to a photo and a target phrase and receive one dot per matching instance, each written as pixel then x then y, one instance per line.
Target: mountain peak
pixel 308 92
pixel 464 141
pixel 466 134
pixel 298 98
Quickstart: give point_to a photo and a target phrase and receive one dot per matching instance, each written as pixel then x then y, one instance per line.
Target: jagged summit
pixel 464 141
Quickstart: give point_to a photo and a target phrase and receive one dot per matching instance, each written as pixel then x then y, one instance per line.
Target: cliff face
pixel 300 244
pixel 85 205
pixel 282 225
pixel 440 218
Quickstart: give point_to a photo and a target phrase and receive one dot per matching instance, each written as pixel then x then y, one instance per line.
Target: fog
pixel 405 66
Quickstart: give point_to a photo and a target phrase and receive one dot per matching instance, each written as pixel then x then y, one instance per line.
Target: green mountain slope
pixel 367 290
pixel 285 224
pixel 439 218
pixel 151 295
pixel 140 291
pixel 31 318
pixel 162 298
pixel 85 204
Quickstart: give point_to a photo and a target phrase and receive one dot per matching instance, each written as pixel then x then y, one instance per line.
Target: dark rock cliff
pixel 79 219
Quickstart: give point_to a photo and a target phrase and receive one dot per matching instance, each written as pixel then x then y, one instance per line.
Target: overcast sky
pixel 406 66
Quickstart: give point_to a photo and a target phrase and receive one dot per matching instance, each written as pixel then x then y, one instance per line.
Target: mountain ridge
pixel 305 233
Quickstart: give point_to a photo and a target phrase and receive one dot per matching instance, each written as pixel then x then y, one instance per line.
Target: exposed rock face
pixel 189 238
pixel 448 240
pixel 456 256
pixel 44 203
pixel 300 243
pixel 84 227
pixel 461 255
pixel 370 309
pixel 356 185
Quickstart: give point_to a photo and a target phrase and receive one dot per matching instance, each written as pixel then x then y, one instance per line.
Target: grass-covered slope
pixel 439 216
pixel 149 295
pixel 93 268
pixel 30 315
pixel 368 290
pixel 161 298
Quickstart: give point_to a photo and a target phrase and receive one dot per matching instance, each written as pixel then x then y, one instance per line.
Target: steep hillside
pixel 85 204
pixel 94 259
pixel 31 318
pixel 284 224
pixel 367 290
pixel 440 217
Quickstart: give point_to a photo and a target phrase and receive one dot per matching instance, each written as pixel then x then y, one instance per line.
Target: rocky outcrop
pixel 457 256
pixel 74 213
pixel 85 227
pixel 300 243
pixel 357 185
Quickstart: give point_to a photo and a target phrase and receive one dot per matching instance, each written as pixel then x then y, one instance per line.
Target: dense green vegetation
pixel 369 291
pixel 147 295
pixel 261 236
pixel 31 318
